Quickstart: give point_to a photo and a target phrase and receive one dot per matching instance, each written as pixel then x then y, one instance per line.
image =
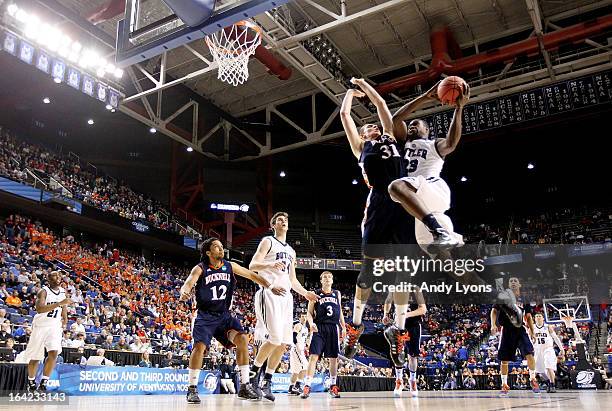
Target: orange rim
pixel 225 51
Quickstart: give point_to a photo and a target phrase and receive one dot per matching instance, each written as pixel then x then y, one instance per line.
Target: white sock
pixel 244 373
pixel 44 378
pixel 532 374
pixel 193 376
pixel 412 375
pixel 307 380
pixel 504 379
pixel 31 378
pixel 358 309
pixel 333 379
pixel 401 312
pixel 399 373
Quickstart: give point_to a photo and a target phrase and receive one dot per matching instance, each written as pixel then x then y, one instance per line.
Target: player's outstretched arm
pixel 349 125
pixel 298 288
pixel 447 145
pixel 530 325
pixel 556 339
pixel 190 282
pixel 256 278
pixel 399 127
pixel 381 105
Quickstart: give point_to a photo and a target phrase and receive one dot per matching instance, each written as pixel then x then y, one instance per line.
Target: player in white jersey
pixel 47 326
pixel 274 260
pixel 545 357
pixel 298 363
pixel 423 193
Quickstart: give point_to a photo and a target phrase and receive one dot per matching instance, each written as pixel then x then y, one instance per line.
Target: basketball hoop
pixel 231 49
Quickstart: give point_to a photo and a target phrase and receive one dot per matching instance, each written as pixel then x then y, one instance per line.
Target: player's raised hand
pixel 358 82
pixel 65 301
pixel 278 291
pixel 356 93
pixel 464 97
pixel 432 93
pixel 310 296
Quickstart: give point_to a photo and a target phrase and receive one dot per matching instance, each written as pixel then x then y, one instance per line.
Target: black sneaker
pixel 42 387
pixel 294 390
pixel 31 385
pixel 353 332
pixel 443 240
pixel 397 341
pixel 266 390
pixel 192 395
pixel 553 389
pixel 247 392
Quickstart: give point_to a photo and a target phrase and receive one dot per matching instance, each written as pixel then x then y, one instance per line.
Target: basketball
pixel 450 89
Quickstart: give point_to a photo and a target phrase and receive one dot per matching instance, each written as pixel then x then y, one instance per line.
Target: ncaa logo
pixel 585 377
pixel 210 382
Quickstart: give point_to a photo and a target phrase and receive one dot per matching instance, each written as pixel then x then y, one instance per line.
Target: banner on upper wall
pixel 76 380
pixel 280 383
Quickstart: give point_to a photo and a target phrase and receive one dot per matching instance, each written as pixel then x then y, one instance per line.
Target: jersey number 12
pixel 222 291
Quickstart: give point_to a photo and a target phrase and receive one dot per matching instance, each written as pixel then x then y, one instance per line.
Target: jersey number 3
pixel 222 290
pixel 330 310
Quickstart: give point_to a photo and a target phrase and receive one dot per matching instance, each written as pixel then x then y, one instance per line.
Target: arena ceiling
pixel 375 39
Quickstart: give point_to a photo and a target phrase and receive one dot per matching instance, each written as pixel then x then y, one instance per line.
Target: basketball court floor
pixel 430 400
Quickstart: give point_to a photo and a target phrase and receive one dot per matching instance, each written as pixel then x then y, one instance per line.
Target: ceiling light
pixel 46 100
pixel 282 174
pixel 90 122
pixel 190 149
pixel 530 166
pixel 463 179
pixel 152 130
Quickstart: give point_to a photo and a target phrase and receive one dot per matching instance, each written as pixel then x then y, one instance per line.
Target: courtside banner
pixel 280 383
pixel 77 380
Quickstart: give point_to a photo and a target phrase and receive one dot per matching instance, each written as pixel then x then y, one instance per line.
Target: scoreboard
pixel 328 264
pixel 528 105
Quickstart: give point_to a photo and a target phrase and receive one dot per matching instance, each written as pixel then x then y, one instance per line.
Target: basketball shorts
pixel 385 222
pixel 325 342
pixel 511 339
pixel 297 359
pixel 545 359
pixel 274 314
pixel 413 346
pixel 218 325
pixel 49 337
pixel 436 195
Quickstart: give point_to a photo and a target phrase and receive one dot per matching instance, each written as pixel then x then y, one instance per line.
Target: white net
pixel 231 48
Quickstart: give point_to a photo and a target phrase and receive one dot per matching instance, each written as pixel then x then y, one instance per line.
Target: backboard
pixel 150 27
pixel 557 308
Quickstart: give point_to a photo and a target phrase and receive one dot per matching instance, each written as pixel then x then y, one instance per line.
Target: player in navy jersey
pixel 214 283
pixel 324 317
pixel 385 221
pixel 512 338
pixel 414 318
